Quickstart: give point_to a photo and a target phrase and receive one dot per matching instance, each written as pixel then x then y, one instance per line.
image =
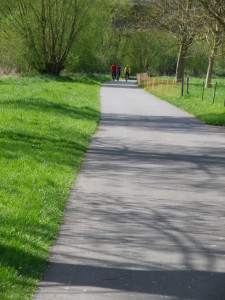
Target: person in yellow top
pixel 127 72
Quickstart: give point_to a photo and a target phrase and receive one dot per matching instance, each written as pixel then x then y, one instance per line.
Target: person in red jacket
pixel 113 69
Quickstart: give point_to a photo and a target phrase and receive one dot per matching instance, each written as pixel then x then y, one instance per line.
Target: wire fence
pixel 183 88
pixel 158 85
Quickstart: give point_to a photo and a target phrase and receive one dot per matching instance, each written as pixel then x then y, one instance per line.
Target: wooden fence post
pixel 203 89
pixel 214 91
pixel 182 86
pixel 187 84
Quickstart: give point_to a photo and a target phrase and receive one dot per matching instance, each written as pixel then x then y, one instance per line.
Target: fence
pixel 172 88
pixel 159 86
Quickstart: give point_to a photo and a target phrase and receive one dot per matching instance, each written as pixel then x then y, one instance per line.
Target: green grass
pixel 45 126
pixel 207 111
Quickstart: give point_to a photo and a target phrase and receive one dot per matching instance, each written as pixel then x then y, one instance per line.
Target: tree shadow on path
pixel 200 285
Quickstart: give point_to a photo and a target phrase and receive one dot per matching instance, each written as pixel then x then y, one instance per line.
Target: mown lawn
pixel 45 126
pixel 205 110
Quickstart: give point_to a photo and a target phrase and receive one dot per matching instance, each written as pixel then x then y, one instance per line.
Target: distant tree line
pixel 154 36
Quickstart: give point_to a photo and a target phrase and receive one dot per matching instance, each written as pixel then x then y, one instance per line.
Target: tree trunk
pixel 209 71
pixel 180 62
pixel 211 61
pixel 52 68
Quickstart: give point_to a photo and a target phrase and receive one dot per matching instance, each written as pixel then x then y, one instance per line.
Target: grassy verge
pixel 45 126
pixel 207 111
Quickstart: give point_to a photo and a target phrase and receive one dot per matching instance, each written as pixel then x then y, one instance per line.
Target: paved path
pixel 145 219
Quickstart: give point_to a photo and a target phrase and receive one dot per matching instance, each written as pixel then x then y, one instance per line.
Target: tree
pixel 175 16
pixel 215 38
pixel 214 30
pixel 197 58
pixel 9 53
pixel 148 51
pixel 216 9
pixel 49 28
pixel 98 43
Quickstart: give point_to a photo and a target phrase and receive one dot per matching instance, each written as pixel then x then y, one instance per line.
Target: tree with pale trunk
pixel 175 16
pixel 213 23
pixel 215 36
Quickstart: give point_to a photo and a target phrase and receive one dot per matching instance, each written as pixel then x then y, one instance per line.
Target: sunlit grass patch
pixel 203 103
pixel 45 126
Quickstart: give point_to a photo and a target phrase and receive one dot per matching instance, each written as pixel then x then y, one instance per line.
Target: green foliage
pixel 97 45
pixel 197 59
pixel 45 126
pixel 48 29
pixel 219 69
pixel 142 50
pixel 12 55
pixel 106 35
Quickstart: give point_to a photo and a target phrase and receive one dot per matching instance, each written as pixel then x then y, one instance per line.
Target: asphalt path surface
pixel 146 215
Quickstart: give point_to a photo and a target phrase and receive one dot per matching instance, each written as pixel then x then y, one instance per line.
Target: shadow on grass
pixel 85 79
pixel 217 119
pixel 91 79
pixel 41 146
pixel 31 157
pixel 43 105
pixel 21 262
pixel 28 258
pixel 44 149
